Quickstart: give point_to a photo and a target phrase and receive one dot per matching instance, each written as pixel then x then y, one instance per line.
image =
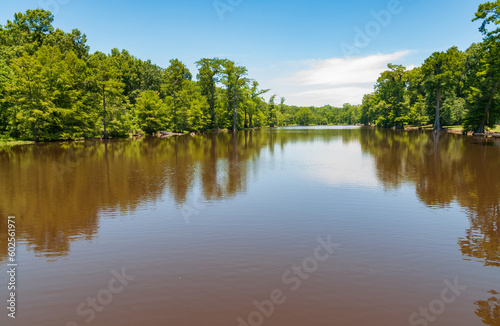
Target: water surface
pixel 209 229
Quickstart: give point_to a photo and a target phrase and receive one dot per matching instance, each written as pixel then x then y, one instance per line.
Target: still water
pixel 290 226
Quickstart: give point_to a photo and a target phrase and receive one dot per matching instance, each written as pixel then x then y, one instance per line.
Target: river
pixel 286 226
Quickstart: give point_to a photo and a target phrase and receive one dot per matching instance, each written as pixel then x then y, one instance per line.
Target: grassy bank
pixel 459 129
pixel 13 142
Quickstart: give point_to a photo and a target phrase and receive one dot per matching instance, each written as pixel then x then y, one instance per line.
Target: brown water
pixel 227 229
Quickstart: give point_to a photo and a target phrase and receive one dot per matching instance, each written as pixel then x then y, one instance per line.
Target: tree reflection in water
pixel 58 190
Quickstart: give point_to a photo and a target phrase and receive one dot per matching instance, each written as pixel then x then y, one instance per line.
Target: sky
pixel 313 53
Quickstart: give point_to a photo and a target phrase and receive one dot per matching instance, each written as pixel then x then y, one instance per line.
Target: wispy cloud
pixel 333 81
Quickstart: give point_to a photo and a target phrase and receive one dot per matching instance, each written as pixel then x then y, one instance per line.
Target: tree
pixel 484 92
pixel 47 96
pixel 366 110
pixel 304 117
pixel 30 27
pixel 209 71
pixel 272 111
pixel 150 112
pixel 190 106
pixel 391 86
pixel 489 12
pixel 105 77
pixel 177 78
pixel 256 100
pixel 6 76
pixel 417 115
pixel 441 71
pixel 234 81
pixel 74 41
pixel 51 87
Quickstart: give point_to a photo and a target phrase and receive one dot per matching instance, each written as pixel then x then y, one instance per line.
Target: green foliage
pixel 442 71
pixel 150 112
pixel 304 117
pixel 234 80
pixel 186 110
pixel 106 85
pixel 209 74
pixel 484 80
pixel 391 86
pixel 46 96
pixel 52 87
pixel 489 12
pixel 417 114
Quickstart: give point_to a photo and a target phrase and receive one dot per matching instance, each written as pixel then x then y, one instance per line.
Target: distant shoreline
pixel 456 130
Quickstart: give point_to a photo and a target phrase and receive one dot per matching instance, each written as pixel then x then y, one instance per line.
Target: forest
pixel 450 88
pixel 53 88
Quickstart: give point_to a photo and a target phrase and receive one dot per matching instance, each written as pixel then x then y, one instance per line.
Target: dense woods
pixel 53 88
pixel 450 88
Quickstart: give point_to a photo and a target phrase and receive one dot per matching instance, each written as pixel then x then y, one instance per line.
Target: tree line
pixel 53 88
pixel 450 88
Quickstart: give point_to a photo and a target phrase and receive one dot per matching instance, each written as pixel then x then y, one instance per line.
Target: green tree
pixel 176 80
pixel 6 76
pixel 367 109
pixel 209 72
pixel 272 109
pixel 391 86
pixel 74 41
pixel 48 97
pixel 150 112
pixel 31 27
pixel 483 97
pixel 304 117
pixel 234 80
pixel 189 107
pixel 417 115
pixel 441 73
pixel 256 102
pixel 105 79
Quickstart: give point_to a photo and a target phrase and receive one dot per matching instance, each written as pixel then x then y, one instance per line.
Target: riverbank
pixel 458 130
pixel 5 143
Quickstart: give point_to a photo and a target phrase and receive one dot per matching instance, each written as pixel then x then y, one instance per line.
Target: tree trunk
pixel 104 106
pixel 437 123
pixel 399 125
pixel 234 105
pixel 212 106
pixel 250 120
pixel 480 128
pixel 246 121
pixel 35 131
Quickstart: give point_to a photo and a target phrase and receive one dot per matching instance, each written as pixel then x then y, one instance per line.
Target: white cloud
pixel 333 81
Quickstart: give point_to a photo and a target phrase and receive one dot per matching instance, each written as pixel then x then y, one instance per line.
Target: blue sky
pixel 311 52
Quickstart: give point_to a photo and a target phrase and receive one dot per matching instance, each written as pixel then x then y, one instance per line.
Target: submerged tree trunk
pixel 480 128
pixel 437 123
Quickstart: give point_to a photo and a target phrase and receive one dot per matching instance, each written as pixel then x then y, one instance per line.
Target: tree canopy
pixel 53 88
